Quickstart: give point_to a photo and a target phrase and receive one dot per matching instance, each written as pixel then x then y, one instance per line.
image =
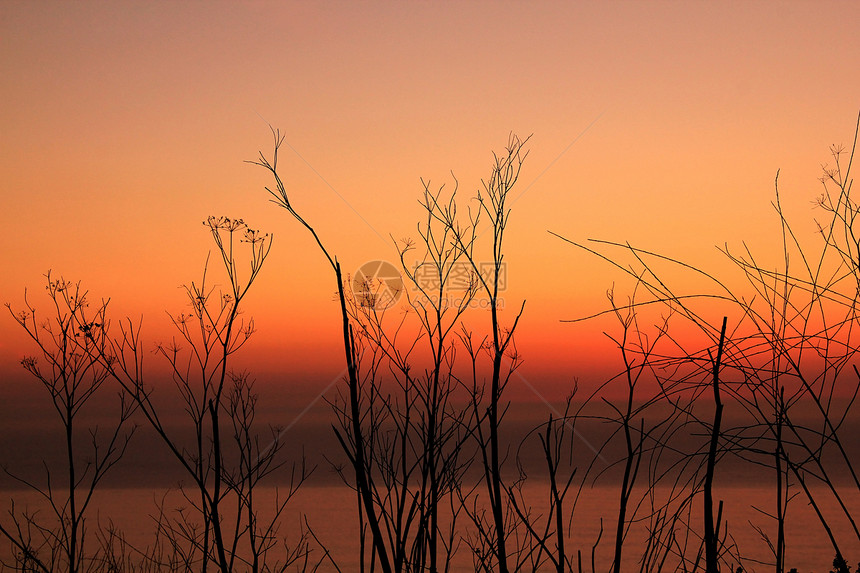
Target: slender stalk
pixel 711 538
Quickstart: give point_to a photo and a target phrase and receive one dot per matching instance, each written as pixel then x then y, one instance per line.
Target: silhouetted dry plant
pixel 404 439
pixel 490 542
pixel 352 438
pixel 70 342
pixel 224 524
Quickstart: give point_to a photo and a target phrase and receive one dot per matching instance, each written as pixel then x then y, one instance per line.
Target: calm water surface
pixel 331 513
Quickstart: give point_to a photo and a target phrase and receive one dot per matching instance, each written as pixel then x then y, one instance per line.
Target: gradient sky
pixel 124 125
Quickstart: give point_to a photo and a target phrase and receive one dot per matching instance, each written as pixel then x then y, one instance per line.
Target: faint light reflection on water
pixel 330 511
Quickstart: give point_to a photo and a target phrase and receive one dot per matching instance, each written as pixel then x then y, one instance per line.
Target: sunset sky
pixel 125 125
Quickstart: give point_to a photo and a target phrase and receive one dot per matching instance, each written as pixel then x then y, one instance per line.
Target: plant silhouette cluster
pixel 420 416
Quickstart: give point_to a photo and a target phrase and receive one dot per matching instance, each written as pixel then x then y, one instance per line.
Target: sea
pixel 330 512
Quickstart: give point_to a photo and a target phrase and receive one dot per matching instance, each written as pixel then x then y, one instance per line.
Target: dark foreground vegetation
pixel 420 413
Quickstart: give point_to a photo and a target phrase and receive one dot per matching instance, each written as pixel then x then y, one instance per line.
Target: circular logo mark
pixel 377 284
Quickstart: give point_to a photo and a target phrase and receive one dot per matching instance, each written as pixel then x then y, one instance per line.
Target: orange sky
pixel 124 125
